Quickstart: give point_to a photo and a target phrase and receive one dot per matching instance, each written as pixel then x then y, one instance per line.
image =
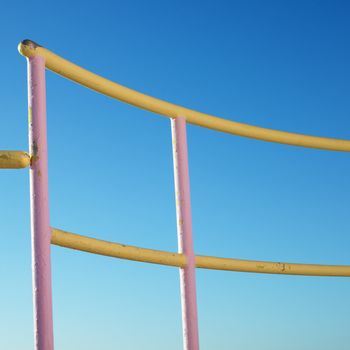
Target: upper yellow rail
pixel 95 82
pixel 14 159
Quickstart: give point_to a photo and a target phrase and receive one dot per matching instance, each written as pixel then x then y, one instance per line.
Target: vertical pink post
pixel 184 231
pixel 39 202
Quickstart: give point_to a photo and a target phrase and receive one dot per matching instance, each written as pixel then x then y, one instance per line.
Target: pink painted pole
pixel 184 231
pixel 39 203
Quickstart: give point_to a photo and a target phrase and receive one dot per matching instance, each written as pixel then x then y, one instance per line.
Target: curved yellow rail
pixel 14 160
pixel 116 250
pixel 95 82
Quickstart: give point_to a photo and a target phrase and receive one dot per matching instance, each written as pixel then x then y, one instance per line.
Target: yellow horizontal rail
pixel 116 250
pixel 14 160
pixel 95 82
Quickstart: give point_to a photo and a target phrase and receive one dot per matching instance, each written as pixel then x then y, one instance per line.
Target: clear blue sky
pixel 278 64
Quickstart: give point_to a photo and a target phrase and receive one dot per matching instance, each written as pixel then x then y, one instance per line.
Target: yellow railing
pixel 14 159
pixel 122 251
pixel 93 81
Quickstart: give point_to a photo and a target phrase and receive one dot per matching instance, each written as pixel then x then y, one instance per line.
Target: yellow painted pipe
pixel 116 250
pixel 14 160
pixel 95 82
pixel 227 264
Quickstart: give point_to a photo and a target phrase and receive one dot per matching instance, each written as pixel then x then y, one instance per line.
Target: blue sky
pixel 278 64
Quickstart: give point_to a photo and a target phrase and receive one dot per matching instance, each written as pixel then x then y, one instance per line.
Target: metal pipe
pixel 39 203
pixel 184 232
pixel 14 160
pixel 97 83
pixel 122 251
pixel 115 250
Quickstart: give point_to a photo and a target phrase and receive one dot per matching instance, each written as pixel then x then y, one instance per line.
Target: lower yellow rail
pixel 116 250
pixel 14 159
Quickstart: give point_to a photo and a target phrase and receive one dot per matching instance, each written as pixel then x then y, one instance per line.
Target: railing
pixel 43 235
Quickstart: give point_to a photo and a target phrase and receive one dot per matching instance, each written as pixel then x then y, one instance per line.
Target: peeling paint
pixel 34 148
pixel 35 151
pixel 30 115
pixel 4 156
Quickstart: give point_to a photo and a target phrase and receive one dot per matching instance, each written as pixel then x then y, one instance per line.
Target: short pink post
pixel 39 202
pixel 184 231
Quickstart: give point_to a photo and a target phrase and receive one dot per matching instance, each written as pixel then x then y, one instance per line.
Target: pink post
pixel 184 230
pixel 39 202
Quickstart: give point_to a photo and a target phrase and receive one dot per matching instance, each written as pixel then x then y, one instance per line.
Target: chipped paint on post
pixel 40 225
pixel 30 117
